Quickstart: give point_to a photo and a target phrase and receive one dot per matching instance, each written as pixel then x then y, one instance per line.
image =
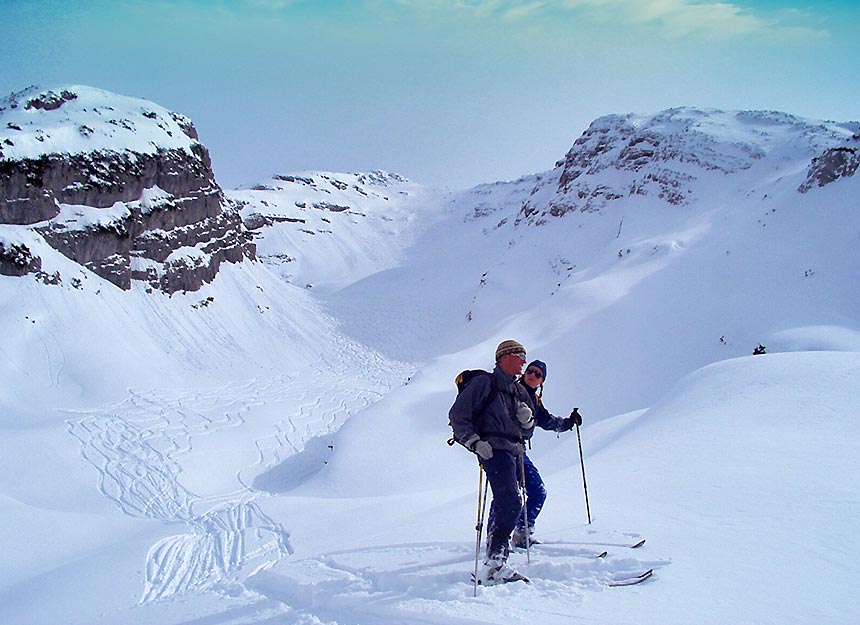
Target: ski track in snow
pixel 138 445
pixel 429 583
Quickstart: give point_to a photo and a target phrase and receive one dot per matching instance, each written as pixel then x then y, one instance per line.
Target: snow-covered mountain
pixel 119 185
pixel 271 447
pixel 671 155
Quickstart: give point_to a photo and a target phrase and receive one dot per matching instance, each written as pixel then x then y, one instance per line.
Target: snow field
pixel 263 452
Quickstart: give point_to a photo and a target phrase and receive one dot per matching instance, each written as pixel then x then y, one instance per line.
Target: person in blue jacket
pixel 533 380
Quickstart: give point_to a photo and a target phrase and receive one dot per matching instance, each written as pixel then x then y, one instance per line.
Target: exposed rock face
pixel 32 188
pixel 119 185
pixel 17 260
pixel 619 156
pixel 833 164
pixel 667 156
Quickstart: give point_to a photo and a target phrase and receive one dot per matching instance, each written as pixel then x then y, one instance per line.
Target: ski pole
pixel 582 464
pixel 479 526
pixel 525 508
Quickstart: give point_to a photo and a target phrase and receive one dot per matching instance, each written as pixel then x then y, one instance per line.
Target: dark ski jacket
pixel 498 424
pixel 543 418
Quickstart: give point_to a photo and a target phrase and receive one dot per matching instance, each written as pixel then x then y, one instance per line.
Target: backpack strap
pixel 482 407
pixel 491 396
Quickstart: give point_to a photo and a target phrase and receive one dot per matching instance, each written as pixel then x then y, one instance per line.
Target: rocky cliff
pixel 119 185
pixel 676 157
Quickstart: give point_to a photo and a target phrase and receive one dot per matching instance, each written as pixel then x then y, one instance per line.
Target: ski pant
pixel 535 497
pixel 502 471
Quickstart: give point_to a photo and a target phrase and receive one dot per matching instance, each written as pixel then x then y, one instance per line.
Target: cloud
pixel 714 20
pixel 273 4
pixel 524 9
pixel 676 19
pixel 681 18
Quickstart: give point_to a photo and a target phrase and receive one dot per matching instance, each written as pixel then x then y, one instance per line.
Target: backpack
pixel 464 377
pixel 462 380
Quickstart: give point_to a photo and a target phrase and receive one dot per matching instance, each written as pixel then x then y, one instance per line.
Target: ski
pixel 631 581
pixel 564 549
pixel 519 578
pixel 561 544
pixel 603 554
pixel 628 581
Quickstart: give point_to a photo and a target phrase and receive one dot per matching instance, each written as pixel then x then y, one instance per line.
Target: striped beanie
pixel 509 347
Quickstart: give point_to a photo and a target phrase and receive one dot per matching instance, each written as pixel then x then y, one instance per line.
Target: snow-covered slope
pixel 260 451
pixel 328 230
pixel 75 119
pixel 647 289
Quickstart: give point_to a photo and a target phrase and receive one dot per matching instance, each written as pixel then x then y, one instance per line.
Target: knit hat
pixel 539 364
pixel 509 347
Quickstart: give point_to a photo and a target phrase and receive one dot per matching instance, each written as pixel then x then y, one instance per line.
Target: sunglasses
pixel 535 372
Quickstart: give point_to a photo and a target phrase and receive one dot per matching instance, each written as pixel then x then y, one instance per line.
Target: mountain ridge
pixel 176 243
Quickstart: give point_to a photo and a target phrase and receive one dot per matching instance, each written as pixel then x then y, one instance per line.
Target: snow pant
pixel 535 497
pixel 502 472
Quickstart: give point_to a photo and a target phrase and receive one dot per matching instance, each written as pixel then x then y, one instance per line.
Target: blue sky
pixel 446 92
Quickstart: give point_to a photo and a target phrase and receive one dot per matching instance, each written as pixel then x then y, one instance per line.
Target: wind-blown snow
pixel 271 448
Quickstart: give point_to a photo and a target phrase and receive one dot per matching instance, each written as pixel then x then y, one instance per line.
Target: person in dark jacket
pixel 496 434
pixel 533 380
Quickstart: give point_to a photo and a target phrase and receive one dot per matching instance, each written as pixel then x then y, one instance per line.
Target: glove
pixel 525 416
pixel 574 419
pixel 482 448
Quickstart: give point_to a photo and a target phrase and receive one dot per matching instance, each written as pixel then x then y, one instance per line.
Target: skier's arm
pixel 548 421
pixel 545 420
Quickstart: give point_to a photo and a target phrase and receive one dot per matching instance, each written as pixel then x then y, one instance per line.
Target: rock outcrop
pixel 16 259
pixel 832 164
pixel 672 158
pixel 659 156
pixel 119 185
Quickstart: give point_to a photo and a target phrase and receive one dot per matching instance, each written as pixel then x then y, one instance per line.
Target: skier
pixel 533 380
pixel 495 433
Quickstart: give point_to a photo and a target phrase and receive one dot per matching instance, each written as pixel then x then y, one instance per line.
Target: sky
pixel 448 93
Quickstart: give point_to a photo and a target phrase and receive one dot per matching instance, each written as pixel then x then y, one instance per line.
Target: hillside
pixel 270 447
pixel 649 289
